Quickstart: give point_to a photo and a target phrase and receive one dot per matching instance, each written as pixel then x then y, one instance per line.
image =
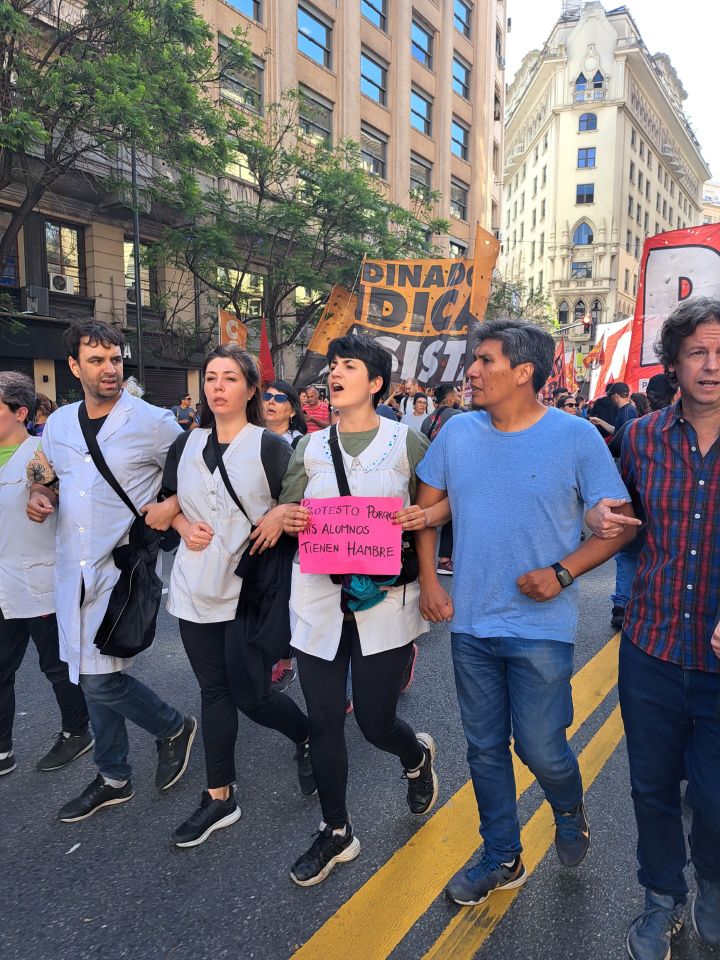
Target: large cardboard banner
pixel 422 311
pixel 675 266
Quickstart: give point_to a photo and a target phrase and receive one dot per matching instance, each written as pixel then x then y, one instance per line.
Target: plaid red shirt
pixel 675 602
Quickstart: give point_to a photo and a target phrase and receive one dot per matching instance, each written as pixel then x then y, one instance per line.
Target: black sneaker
pixel 617 618
pixel 174 753
pixel 409 671
pixel 94 797
pixel 210 816
pixel 423 782
pixel 8 764
pixel 572 835
pixel 327 849
pixel 65 750
pixel 282 677
pixel 306 777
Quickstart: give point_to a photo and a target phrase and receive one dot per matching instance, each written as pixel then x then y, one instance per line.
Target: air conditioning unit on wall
pixel 59 283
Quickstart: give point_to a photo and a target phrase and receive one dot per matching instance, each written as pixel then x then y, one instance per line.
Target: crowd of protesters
pixel 229 477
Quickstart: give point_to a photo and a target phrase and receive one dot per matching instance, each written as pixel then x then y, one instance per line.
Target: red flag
pixel 675 266
pixel 571 373
pixel 614 360
pixel 558 377
pixel 596 355
pixel 267 370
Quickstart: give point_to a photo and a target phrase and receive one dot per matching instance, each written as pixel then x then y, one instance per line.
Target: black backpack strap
pixel 99 460
pixel 224 475
pixel 336 454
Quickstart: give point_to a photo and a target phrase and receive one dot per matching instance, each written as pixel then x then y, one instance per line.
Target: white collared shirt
pixel 27 549
pixel 91 518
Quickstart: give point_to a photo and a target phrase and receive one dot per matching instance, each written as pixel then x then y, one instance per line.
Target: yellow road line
pixel 469 929
pixel 389 904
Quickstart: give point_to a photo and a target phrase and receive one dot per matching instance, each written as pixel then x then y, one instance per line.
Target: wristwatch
pixel 565 578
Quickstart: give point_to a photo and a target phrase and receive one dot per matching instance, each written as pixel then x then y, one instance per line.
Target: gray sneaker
pixel 706 911
pixel 651 932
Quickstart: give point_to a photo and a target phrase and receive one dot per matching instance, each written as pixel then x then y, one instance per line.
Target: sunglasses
pixel 277 397
pixel 571 405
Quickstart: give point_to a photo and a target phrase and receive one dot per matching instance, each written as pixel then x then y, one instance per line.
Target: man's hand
pixel 605 524
pixel 411 518
pixel 296 519
pixel 39 507
pixel 267 533
pixel 715 641
pixel 602 423
pixel 435 604
pixel 540 585
pixel 196 536
pixel 159 516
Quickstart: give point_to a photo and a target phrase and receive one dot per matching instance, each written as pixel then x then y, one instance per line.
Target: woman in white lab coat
pixel 331 630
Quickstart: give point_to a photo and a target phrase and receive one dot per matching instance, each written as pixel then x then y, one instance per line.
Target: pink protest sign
pixel 352 535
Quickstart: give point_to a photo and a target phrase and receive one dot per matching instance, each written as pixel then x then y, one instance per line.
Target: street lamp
pixel 136 263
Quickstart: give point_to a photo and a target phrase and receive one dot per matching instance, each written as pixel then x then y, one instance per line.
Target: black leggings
pixel 205 646
pixel 376 682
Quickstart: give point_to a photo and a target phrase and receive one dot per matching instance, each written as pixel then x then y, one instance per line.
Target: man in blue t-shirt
pixel 519 477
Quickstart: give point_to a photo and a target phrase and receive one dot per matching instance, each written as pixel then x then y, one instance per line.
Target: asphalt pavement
pixel 113 887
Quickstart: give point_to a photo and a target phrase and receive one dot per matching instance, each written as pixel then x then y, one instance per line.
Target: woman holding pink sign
pixel 345 618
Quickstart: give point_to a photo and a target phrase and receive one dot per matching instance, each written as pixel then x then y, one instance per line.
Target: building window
pixel 647 188
pixel 375 11
pixel 642 149
pixel 461 17
pixel 630 206
pixel 421 44
pixel 497 112
pixel 633 138
pixel 649 160
pixel 626 284
pixel 461 78
pixel 316 116
pixel 632 172
pixel 522 201
pixel 588 121
pixel 540 282
pixel 596 311
pixel 459 199
pixel 542 244
pixel 544 177
pixel 534 219
pixel 420 175
pixel 242 86
pixel 373 78
pixel 583 235
pixel 581 270
pixel 314 36
pixel 373 150
pixel 238 166
pixel 580 87
pixel 580 311
pixel 498 43
pixel 9 276
pixel 586 157
pixel 641 180
pixel 148 276
pixel 420 112
pixel 585 193
pixel 646 222
pixel 563 313
pixel 460 141
pixel 628 241
pixel 542 209
pixel 251 8
pixel 665 209
pixel 496 159
pixel 457 249
pixel 65 252
pixel 535 188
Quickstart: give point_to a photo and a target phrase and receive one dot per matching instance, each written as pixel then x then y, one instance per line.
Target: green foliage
pixel 514 301
pixel 298 211
pixel 76 84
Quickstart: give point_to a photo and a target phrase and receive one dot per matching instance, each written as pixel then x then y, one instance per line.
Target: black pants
pixel 376 682
pixel 205 646
pixel 446 541
pixel 14 638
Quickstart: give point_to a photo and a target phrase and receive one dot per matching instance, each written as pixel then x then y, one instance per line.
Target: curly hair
pixel 682 322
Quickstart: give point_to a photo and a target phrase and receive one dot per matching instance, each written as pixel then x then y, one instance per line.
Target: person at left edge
pixel 134 438
pixel 27 603
pixel 204 588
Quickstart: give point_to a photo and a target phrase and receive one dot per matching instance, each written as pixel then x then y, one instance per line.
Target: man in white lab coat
pixel 133 437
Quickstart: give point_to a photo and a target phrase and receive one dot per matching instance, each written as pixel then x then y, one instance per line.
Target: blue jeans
pixel 671 727
pixel 521 687
pixel 111 699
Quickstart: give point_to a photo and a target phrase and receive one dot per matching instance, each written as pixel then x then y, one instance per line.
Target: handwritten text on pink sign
pixel 352 535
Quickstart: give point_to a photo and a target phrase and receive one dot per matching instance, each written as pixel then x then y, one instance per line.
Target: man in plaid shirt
pixel 670 651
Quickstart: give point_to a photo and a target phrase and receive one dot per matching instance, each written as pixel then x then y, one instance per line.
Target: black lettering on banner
pixel 435 276
pixel 409 276
pixel 376 313
pixel 372 272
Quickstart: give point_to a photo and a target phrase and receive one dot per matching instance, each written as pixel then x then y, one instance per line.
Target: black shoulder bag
pixel 128 626
pixel 409 566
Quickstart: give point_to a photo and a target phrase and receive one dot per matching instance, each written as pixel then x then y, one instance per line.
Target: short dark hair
pixel 94 332
pixel 682 322
pixel 560 392
pixel 618 389
pixel 358 346
pixel 522 342
pixel 442 390
pixel 17 390
pixel 249 370
pixel 297 421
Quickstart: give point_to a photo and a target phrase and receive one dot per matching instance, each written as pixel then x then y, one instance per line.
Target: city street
pixel 113 887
